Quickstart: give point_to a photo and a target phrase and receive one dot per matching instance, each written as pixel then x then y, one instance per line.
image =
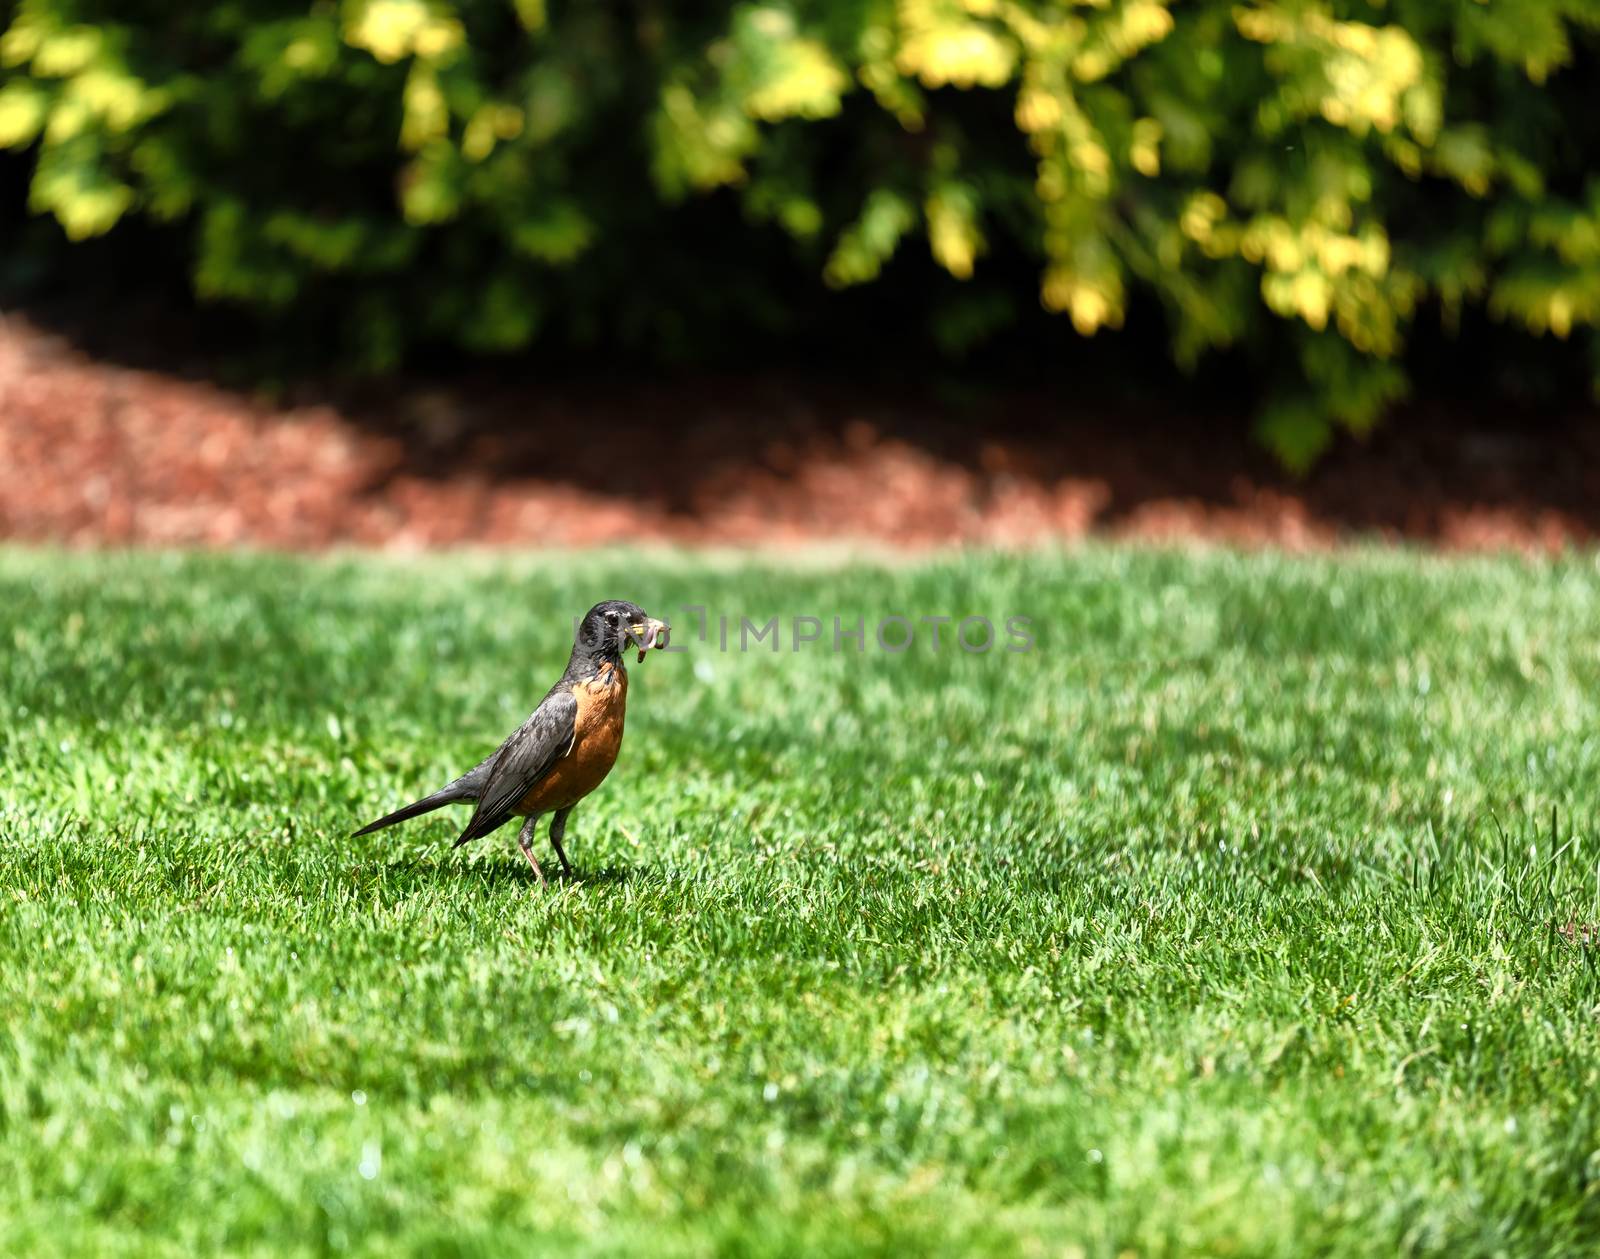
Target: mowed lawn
pixel 1255 912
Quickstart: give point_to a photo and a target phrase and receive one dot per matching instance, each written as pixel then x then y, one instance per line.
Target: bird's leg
pixel 558 828
pixel 525 842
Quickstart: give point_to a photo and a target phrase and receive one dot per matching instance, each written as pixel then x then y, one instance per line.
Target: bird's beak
pixel 650 633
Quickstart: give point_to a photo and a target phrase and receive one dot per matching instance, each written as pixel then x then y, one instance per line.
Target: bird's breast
pixel 596 740
pixel 602 700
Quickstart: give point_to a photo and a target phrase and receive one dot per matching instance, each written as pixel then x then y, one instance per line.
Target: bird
pixel 565 748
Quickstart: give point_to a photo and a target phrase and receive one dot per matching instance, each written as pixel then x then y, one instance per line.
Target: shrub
pixel 1301 180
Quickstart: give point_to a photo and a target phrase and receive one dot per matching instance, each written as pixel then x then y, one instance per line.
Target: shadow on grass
pixel 431 869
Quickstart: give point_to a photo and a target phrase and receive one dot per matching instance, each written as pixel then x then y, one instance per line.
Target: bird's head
pixel 616 625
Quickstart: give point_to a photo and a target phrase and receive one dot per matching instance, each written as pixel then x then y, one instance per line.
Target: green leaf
pixel 23 107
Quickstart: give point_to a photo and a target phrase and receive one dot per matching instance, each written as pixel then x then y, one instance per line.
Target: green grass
pixel 1228 921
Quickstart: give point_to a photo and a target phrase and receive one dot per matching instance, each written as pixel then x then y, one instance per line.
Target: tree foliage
pixel 1301 179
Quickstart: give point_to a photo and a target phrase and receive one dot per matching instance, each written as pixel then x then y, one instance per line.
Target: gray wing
pixel 523 759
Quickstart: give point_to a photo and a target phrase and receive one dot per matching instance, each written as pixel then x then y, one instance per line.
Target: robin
pixel 565 749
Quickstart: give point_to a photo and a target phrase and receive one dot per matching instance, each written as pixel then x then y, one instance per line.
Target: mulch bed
pixel 94 452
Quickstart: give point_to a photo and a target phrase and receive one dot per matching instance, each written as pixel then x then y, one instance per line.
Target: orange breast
pixel 597 739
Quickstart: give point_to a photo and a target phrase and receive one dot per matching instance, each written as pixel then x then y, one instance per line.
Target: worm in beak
pixel 652 633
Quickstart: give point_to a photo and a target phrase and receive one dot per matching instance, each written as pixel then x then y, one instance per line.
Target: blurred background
pixel 410 273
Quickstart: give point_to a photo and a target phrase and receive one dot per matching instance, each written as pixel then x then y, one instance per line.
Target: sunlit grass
pixel 1250 913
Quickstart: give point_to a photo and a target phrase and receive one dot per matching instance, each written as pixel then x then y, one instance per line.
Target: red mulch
pixel 92 452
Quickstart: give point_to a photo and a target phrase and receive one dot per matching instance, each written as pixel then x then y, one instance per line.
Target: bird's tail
pixel 464 788
pixel 416 809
